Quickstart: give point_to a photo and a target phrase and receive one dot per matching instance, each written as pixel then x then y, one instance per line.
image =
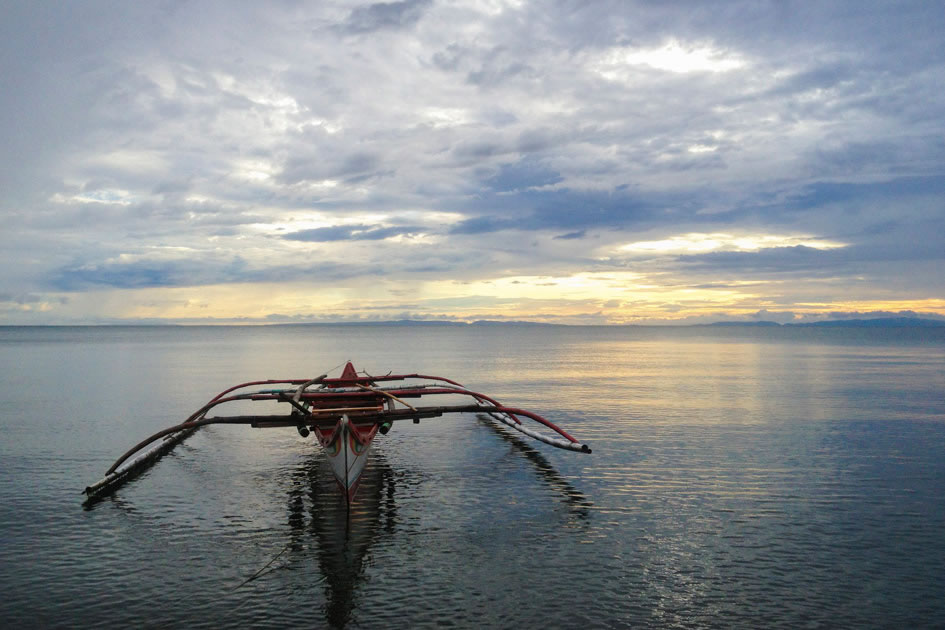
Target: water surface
pixel 740 478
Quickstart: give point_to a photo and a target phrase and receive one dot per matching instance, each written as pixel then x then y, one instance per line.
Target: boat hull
pixel 347 446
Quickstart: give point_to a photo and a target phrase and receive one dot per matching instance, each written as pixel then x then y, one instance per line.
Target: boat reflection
pixel 578 504
pixel 343 535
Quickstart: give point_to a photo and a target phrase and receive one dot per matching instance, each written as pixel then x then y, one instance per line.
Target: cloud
pixel 567 209
pixel 127 276
pixel 385 15
pixel 483 225
pixel 570 236
pixel 32 298
pixel 352 233
pixel 819 194
pixel 522 175
pixel 149 146
pixel 774 259
pixel 146 274
pixel 351 168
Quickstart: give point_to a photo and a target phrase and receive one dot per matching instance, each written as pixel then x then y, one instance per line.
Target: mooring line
pixel 258 573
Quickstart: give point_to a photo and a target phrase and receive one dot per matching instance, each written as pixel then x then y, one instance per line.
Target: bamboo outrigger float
pixel 345 413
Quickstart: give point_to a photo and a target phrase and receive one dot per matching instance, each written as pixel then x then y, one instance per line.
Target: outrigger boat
pixel 345 414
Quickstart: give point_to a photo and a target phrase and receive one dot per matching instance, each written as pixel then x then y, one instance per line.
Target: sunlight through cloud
pixel 103 196
pixel 702 243
pixel 672 57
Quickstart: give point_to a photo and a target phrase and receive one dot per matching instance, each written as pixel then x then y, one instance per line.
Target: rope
pixel 258 573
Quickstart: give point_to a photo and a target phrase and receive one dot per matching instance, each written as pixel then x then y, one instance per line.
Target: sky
pixel 569 162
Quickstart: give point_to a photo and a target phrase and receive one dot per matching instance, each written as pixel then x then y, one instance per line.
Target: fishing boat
pixel 346 414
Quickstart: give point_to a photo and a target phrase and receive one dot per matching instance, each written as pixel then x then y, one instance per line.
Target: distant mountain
pixel 492 322
pixel 761 323
pixel 399 322
pixel 442 322
pixel 421 322
pixel 882 322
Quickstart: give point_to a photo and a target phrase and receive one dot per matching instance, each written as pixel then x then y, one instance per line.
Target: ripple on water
pixel 760 483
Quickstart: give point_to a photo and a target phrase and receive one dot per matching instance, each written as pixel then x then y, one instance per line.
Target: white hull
pixel 347 452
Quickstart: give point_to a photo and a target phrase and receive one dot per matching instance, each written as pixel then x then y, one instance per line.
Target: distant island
pixel 418 322
pixel 880 322
pixel 760 324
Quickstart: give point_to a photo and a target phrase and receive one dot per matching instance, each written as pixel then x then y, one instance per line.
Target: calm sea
pixel 741 478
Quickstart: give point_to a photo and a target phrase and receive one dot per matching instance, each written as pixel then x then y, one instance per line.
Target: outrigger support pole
pixel 118 475
pixel 353 395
